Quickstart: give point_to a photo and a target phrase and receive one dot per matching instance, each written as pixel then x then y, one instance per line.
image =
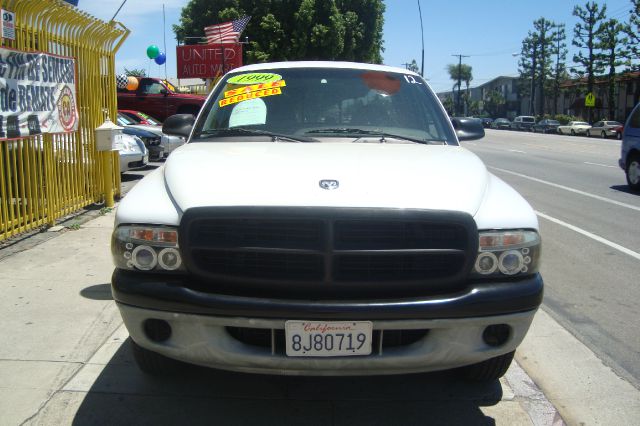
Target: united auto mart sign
pixel 37 94
pixel 208 60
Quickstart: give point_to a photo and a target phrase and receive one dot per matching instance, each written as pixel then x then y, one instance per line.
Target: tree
pixel 613 44
pixel 559 50
pixel 413 66
pixel 281 30
pixel 633 32
pixel 585 33
pixel 135 72
pixel 527 66
pixel 494 102
pixel 535 63
pixel 460 73
pixel 544 31
pixel 448 105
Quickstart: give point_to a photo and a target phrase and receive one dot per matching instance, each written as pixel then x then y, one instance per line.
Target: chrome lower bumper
pixel 204 340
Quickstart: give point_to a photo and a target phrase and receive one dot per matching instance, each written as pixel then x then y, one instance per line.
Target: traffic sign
pixel 590 100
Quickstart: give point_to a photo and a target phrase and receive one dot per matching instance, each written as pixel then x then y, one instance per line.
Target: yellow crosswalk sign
pixel 590 100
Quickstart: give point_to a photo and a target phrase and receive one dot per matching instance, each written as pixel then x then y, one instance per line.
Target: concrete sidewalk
pixel 65 359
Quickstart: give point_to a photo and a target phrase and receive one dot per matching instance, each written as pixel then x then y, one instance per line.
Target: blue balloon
pixel 161 58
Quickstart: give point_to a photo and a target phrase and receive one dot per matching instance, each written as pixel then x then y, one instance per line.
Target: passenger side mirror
pixel 467 129
pixel 179 125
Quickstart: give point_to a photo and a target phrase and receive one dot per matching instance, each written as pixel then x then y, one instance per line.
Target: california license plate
pixel 333 338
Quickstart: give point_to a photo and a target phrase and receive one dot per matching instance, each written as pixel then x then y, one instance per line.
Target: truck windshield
pixel 325 102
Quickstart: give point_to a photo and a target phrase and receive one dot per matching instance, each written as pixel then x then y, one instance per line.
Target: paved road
pixel 591 235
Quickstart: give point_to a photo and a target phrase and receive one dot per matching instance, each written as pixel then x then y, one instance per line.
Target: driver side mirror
pixel 467 129
pixel 164 92
pixel 179 125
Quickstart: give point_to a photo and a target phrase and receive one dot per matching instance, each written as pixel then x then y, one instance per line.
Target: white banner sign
pixel 8 24
pixel 37 94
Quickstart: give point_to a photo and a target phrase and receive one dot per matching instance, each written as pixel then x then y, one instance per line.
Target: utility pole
pixel 457 108
pixel 422 37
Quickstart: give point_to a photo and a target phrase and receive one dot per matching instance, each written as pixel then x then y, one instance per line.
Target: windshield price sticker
pixel 251 95
pixel 254 78
pixel 253 88
pixel 328 339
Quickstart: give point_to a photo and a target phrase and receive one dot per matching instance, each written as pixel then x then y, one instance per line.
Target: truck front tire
pixel 489 370
pixel 151 362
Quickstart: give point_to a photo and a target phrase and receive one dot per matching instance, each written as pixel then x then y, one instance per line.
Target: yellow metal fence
pixel 46 177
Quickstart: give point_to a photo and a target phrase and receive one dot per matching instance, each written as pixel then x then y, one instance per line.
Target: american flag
pixel 228 32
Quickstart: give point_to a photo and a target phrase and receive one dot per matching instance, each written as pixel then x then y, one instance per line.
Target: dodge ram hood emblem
pixel 329 184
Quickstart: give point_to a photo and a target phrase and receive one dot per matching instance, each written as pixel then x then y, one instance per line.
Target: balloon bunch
pixel 153 52
pixel 126 82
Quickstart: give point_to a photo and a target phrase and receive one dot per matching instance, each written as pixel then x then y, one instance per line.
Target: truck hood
pixel 289 174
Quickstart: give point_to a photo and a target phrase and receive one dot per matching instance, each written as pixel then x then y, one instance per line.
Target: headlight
pixel 123 144
pixel 151 141
pixel 507 253
pixel 146 248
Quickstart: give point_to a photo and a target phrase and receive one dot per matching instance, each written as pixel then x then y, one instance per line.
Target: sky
pixel 488 32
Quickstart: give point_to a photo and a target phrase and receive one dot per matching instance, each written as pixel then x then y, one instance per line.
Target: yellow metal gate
pixel 46 177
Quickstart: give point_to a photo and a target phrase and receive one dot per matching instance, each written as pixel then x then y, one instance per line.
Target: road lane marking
pixel 518 151
pixel 566 188
pixel 598 164
pixel 590 235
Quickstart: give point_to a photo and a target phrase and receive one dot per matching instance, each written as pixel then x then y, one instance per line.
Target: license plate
pixel 326 339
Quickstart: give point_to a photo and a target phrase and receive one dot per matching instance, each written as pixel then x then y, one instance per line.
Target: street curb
pixel 574 379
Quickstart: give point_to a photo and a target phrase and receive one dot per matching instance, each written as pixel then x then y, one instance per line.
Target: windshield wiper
pixel 383 135
pixel 240 131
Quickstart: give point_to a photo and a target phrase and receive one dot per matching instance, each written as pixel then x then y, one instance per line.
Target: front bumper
pixel 200 323
pixel 132 161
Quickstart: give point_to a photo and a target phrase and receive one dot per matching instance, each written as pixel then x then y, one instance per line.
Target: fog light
pixel 157 330
pixel 496 334
pixel 144 257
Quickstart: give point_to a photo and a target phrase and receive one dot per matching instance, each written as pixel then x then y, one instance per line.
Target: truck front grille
pixel 328 250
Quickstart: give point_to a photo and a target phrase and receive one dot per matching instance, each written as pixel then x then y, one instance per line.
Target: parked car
pixel 501 123
pixel 151 140
pixel 574 128
pixel 133 154
pixel 523 122
pixel 546 126
pixel 619 130
pixel 486 122
pixel 604 129
pixel 158 98
pixel 299 232
pixel 630 149
pixel 141 117
pixel 168 143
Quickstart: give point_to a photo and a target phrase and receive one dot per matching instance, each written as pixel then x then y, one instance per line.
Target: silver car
pixel 133 154
pixel 604 129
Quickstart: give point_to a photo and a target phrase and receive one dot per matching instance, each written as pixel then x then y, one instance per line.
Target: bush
pixel 564 119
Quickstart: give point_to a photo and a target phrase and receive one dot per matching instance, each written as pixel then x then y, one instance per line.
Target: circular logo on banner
pixel 254 78
pixel 66 109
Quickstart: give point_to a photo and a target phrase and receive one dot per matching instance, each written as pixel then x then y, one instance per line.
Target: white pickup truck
pixel 323 220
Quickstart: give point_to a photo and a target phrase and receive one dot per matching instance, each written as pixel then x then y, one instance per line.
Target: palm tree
pixel 460 73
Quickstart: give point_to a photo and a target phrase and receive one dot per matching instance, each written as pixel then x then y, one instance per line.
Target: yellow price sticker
pixel 254 87
pixel 251 95
pixel 254 78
